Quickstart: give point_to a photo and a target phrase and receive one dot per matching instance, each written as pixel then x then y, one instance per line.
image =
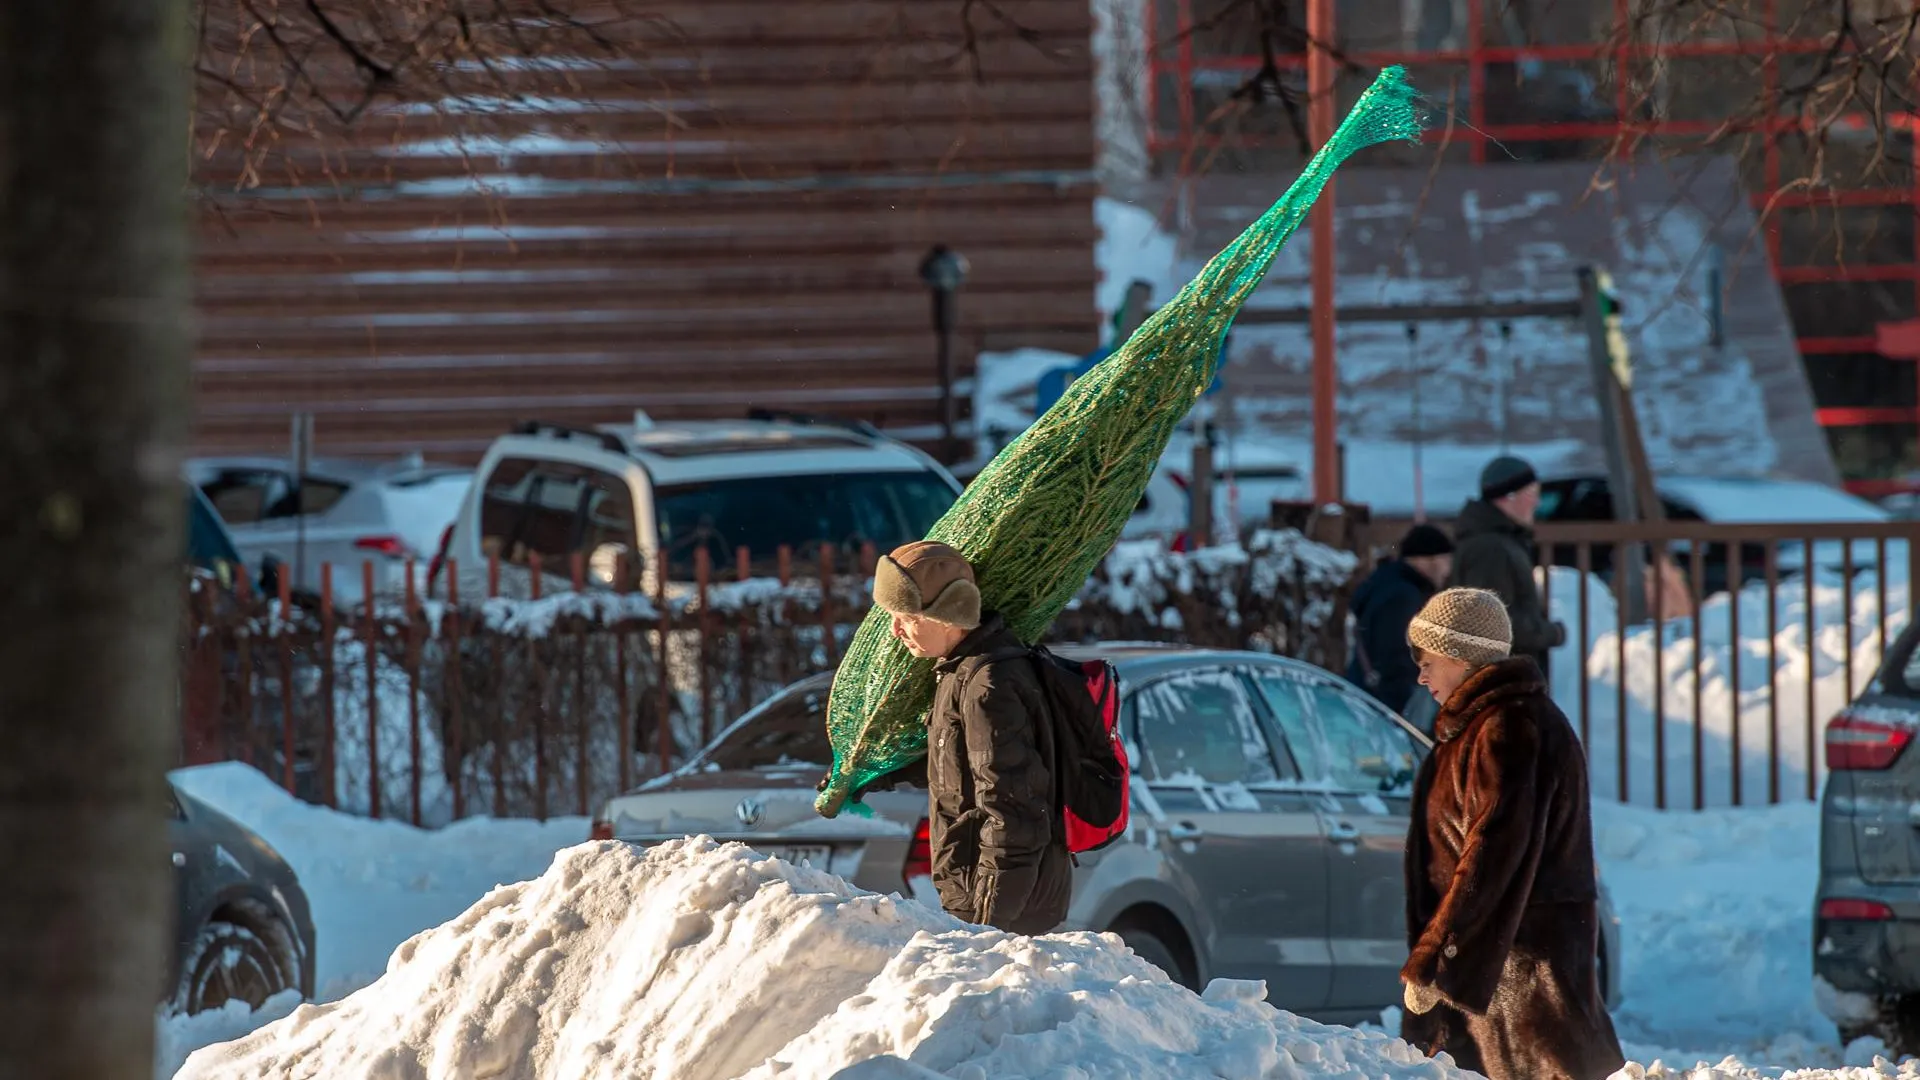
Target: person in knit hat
pixel 1382 607
pixel 999 849
pixel 1494 537
pixel 1502 899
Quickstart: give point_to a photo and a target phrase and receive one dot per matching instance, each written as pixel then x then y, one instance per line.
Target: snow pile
pixel 1798 731
pixel 698 959
pixel 1879 1069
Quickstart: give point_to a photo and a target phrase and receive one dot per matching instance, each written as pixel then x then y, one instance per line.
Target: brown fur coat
pixel 1502 917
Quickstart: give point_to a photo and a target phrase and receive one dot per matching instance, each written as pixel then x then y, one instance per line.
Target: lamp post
pixel 944 270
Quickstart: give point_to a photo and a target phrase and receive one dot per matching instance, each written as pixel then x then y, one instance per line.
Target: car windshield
pixel 790 729
pixel 763 513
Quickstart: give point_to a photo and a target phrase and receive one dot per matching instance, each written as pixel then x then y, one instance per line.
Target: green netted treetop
pixel 1040 517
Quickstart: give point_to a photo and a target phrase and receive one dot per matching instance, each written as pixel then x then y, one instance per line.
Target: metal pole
pixel 302 462
pixel 943 330
pixel 1630 559
pixel 1419 436
pixel 1320 93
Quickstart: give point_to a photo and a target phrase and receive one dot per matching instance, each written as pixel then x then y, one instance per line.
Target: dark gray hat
pixel 1503 476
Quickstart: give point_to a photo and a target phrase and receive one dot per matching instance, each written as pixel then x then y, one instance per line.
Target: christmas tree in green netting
pixel 1040 517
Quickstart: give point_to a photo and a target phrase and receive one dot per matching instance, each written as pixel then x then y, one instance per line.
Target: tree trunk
pixel 94 340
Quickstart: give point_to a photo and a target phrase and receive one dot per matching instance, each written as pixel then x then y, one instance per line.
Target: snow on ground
pixel 1799 731
pixel 1715 937
pixel 704 959
pixel 179 1036
pixel 373 884
pixel 1716 923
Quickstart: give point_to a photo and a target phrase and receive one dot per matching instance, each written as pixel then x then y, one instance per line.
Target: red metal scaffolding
pixel 1173 65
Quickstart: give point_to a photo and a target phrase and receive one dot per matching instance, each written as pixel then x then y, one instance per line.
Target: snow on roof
pixel 1507 232
pixel 1757 499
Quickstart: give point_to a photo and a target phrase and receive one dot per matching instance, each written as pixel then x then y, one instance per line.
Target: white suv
pixel 624 495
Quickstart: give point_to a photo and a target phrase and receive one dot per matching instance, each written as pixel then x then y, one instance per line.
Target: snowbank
pixel 698 959
pixel 1798 731
pixel 1879 1069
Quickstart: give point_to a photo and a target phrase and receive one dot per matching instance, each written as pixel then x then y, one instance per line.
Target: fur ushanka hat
pixel 930 580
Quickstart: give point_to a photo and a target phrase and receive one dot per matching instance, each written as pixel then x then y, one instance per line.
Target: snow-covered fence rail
pixel 547 701
pixel 1756 636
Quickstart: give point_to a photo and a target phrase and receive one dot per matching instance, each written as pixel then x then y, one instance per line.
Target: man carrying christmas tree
pixel 999 850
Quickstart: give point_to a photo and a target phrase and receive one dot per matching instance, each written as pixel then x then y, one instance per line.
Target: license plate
pixel 814 855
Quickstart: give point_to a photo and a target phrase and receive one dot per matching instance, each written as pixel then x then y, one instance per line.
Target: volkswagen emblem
pixel 748 812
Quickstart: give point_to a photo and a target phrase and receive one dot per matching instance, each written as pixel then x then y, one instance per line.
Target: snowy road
pixel 1714 910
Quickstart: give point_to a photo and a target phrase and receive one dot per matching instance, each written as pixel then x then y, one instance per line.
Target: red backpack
pixel 1088 759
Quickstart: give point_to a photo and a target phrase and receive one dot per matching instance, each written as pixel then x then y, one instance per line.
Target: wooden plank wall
pixel 729 212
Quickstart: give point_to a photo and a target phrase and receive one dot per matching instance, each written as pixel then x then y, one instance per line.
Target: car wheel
pixel 1148 946
pixel 1898 1026
pixel 230 962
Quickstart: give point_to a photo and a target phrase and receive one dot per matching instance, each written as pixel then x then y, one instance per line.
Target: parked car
pixel 1867 903
pixel 622 495
pixel 345 513
pixel 242 927
pixel 1269 820
pixel 1726 501
pixel 210 546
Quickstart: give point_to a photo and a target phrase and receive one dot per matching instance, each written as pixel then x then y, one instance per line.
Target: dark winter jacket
pixel 1493 551
pixel 1383 605
pixel 999 857
pixel 1502 913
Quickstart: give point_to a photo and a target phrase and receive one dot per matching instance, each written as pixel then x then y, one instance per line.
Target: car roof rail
pixel 858 427
pixel 548 430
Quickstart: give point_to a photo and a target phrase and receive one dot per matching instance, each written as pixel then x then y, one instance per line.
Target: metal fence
pixel 1754 636
pixel 529 700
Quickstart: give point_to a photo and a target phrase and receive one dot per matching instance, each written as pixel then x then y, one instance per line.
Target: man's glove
pixel 1420 1000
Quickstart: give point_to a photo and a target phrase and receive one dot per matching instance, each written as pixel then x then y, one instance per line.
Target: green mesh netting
pixel 1040 517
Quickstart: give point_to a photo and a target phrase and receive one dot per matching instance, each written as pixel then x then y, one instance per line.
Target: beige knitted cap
pixel 1466 624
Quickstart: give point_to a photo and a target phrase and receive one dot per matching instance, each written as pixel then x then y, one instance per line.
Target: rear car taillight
pixel 602 830
pixel 1855 910
pixel 391 546
pixel 919 855
pixel 1855 742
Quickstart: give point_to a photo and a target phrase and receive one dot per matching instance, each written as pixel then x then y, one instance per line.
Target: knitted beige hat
pixel 1466 624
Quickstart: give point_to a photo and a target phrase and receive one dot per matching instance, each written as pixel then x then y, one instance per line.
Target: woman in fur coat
pixel 1502 915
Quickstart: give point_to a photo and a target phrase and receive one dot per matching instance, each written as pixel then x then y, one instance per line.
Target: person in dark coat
pixel 1384 604
pixel 1503 921
pixel 999 848
pixel 1494 550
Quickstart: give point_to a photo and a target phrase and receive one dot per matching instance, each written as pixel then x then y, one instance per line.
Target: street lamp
pixel 945 270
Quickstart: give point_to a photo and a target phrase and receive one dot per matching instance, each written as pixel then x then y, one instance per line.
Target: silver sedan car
pixel 1269 820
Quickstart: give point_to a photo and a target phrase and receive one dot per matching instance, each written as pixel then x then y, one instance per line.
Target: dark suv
pixel 1866 932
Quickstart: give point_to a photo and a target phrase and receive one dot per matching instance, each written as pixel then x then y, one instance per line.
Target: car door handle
pixel 1186 832
pixel 1342 833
